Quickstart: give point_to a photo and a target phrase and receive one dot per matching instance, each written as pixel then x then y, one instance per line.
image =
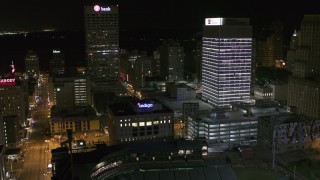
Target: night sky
pixel 150 14
pixel 136 17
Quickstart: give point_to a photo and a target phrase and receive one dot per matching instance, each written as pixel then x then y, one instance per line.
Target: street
pixel 38 154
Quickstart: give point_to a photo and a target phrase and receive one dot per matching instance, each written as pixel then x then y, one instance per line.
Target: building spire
pixel 13 70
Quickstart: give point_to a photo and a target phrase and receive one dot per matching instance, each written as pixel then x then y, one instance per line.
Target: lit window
pixel 134 124
pixel 155 122
pixel 149 123
pixel 141 124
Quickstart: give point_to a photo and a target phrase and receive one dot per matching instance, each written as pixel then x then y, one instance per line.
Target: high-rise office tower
pixel 304 85
pixel 226 61
pixel 57 63
pixel 171 61
pixel 270 45
pixel 102 41
pixel 70 91
pixel 32 64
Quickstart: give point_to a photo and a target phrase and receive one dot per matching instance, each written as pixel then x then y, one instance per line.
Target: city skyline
pixel 143 20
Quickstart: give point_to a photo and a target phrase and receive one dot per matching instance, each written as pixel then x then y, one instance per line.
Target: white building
pixel 227 129
pixel 226 61
pixel 223 130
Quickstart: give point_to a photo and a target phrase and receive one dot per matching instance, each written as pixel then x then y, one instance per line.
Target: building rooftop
pixel 177 106
pixel 241 114
pixel 136 107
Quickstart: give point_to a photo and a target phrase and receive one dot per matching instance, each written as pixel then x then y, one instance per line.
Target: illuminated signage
pixel 105 9
pixel 213 21
pixel 8 82
pixel 145 105
pixel 55 51
pixel 98 8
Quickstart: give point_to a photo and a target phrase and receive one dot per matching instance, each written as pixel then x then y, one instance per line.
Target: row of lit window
pixel 142 124
pixel 138 138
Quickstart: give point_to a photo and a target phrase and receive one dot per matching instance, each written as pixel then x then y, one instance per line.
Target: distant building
pixel 2 165
pixel 233 128
pixel 32 64
pixel 13 98
pixel 11 132
pixel 135 67
pixel 79 120
pixel 262 92
pixel 279 92
pixel 270 45
pixel 171 61
pixel 156 64
pixel 70 91
pixel 180 91
pixel 226 61
pixel 304 94
pixel 289 131
pixel 303 86
pixel 138 121
pixel 223 130
pixel 57 63
pixel 102 41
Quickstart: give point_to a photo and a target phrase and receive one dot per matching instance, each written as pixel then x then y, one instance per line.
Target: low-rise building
pixel 139 120
pixel 229 129
pixel 287 132
pixel 83 120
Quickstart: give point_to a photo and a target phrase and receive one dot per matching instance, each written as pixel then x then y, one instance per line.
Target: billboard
pixel 98 8
pixel 8 82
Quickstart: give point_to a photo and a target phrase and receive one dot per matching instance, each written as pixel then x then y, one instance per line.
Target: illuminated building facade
pixel 70 92
pixel 32 64
pixel 289 131
pixel 304 84
pixel 13 98
pixel 102 41
pixel 57 63
pixel 139 121
pixel 223 129
pixel 11 133
pixel 76 123
pixel 226 61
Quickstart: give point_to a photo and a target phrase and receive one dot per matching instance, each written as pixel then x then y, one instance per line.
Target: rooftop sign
pixel 213 21
pixel 98 8
pixel 8 82
pixel 145 105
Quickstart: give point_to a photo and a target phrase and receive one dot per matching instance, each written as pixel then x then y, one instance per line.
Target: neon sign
pixel 213 21
pixel 105 9
pixel 100 8
pixel 145 105
pixel 8 82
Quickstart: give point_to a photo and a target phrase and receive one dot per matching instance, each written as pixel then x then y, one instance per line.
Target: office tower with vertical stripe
pixel 226 61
